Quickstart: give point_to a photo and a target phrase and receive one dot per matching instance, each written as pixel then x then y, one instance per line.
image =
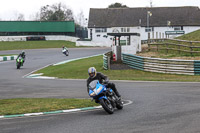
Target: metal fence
pixel 81 32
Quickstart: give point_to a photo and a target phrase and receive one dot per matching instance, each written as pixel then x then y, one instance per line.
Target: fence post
pixel 149 47
pixel 157 48
pixel 191 50
pixel 179 50
pixel 167 48
pixel 190 43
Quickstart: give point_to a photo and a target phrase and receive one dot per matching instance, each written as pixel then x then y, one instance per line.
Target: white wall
pixel 134 47
pixel 189 29
pixel 91 43
pixel 159 32
pixel 99 38
pixel 23 38
pixel 12 38
pixel 109 40
pixel 59 37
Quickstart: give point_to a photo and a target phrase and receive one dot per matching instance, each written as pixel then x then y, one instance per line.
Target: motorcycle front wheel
pixel 119 104
pixel 106 104
pixel 18 65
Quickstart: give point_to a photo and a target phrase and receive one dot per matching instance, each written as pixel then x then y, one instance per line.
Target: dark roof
pixel 128 17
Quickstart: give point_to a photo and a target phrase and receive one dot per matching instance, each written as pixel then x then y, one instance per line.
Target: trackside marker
pixel 58 111
pixel 71 110
pixel 32 114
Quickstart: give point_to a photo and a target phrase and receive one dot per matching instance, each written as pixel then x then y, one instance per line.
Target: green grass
pixel 193 36
pixel 8 55
pixel 33 105
pixel 78 70
pixel 75 69
pixel 18 45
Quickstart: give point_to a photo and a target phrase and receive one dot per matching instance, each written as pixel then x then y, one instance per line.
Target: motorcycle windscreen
pixel 19 59
pixel 93 84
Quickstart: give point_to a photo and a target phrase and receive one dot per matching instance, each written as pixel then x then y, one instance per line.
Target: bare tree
pixel 35 17
pixel 55 12
pixel 80 19
pixel 20 17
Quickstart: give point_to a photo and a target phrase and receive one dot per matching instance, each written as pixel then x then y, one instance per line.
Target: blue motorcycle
pixel 104 96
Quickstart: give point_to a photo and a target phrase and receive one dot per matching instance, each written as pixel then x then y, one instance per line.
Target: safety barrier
pixel 106 60
pixel 173 66
pixel 6 58
pixel 47 37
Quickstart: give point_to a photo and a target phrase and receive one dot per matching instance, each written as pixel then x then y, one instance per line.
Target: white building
pixel 155 22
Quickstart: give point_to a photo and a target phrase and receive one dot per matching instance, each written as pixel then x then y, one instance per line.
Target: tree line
pixel 60 12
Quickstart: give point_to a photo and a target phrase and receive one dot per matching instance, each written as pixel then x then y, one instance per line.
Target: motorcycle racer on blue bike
pixel 94 75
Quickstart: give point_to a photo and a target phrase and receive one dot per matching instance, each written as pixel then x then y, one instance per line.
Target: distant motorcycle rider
pixel 94 75
pixel 64 48
pixel 22 54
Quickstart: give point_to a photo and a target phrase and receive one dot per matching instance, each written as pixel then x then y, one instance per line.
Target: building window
pixel 148 29
pixel 122 29
pixel 105 36
pixel 125 29
pixel 177 28
pixel 98 30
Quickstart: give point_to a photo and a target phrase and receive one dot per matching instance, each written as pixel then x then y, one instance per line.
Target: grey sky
pixel 10 8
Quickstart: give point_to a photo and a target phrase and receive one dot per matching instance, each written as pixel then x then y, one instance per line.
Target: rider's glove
pixel 105 81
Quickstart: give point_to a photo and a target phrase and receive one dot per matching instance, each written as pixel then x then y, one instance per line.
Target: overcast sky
pixel 10 8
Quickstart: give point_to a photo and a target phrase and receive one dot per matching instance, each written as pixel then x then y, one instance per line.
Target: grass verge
pixel 18 45
pixel 192 36
pixel 169 50
pixel 34 105
pixel 7 55
pixel 78 70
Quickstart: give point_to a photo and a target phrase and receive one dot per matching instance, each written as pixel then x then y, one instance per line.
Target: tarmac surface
pixel 157 107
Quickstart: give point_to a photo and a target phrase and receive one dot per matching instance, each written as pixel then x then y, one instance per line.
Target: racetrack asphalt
pixel 158 107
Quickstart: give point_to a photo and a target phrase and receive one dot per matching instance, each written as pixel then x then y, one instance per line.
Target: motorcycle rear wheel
pixel 106 104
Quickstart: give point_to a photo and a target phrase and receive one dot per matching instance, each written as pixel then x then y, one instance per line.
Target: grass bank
pixel 163 51
pixel 8 55
pixel 19 45
pixel 78 70
pixel 193 36
pixel 34 105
